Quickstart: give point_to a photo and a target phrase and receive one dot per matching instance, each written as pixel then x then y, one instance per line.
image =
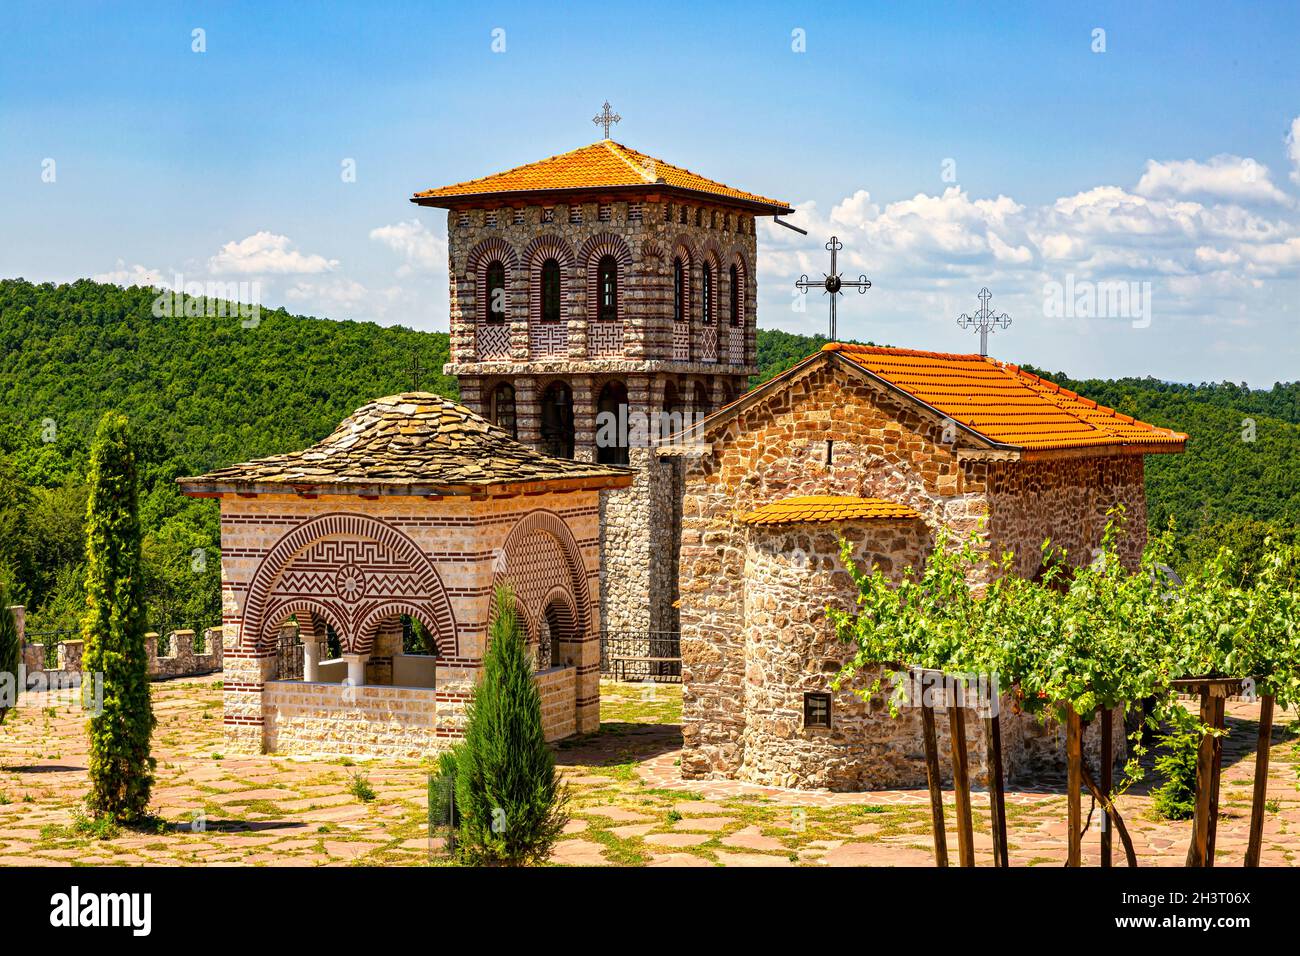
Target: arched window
pixel 670 419
pixel 607 289
pixel 735 296
pixel 703 404
pixel 679 290
pixel 706 293
pixel 496 292
pixel 611 425
pixel 550 291
pixel 557 420
pixel 501 410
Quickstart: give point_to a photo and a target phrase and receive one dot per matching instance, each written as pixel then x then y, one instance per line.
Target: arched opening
pixel 735 297
pixel 559 631
pixel 670 417
pixel 496 292
pixel 501 408
pixel 557 420
pixel 706 294
pixel 607 289
pixel 703 403
pixel 679 290
pixel 611 425
pixel 550 291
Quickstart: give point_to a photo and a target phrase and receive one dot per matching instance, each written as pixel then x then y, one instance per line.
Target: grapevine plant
pixel 1098 636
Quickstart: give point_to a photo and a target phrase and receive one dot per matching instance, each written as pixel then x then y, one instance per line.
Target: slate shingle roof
pixel 412 443
pixel 602 165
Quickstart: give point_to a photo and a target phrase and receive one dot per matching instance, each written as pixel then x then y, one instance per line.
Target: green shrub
pixel 1175 798
pixel 508 795
pixel 121 769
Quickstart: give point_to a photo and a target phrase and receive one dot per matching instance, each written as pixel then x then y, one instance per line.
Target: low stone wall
pixel 181 660
pixel 326 719
pixel 559 713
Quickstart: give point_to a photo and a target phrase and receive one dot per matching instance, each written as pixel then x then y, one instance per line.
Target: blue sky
pixel 949 146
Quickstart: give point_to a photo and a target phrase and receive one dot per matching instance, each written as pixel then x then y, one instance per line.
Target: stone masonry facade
pixel 754 639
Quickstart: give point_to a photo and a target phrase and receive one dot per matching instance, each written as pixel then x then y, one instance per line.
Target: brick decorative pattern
pixel 548 340
pixel 493 340
pixel 358 564
pixel 605 339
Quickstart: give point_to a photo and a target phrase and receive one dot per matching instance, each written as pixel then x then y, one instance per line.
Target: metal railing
pixel 641 656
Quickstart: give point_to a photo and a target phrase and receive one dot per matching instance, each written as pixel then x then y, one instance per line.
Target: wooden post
pixel 1107 766
pixel 1074 785
pixel 961 786
pixel 1260 795
pixel 935 781
pixel 1196 851
pixel 997 798
pixel 1220 701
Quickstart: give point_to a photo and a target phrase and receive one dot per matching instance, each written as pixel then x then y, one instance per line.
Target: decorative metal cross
pixel 415 373
pixel 606 118
pixel 985 320
pixel 832 283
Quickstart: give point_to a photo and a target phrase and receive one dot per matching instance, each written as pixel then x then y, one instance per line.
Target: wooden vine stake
pixel 961 786
pixel 1107 767
pixel 1260 795
pixel 1074 785
pixel 935 781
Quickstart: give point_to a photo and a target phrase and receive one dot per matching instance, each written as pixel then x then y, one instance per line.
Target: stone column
pixel 310 659
pixel 356 668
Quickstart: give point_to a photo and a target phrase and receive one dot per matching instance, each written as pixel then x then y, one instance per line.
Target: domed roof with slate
pixel 415 443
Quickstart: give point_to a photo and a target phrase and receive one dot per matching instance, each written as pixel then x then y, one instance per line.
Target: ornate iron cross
pixel 832 284
pixel 606 118
pixel 985 320
pixel 415 373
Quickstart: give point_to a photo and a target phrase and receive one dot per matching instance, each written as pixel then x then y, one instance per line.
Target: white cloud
pixel 410 239
pixel 266 253
pixel 1227 177
pixel 125 275
pixel 1293 149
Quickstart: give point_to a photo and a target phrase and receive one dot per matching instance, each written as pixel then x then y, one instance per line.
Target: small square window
pixel 462 219
pixel 603 212
pixel 634 212
pixel 575 215
pixel 548 214
pixel 492 220
pixel 816 710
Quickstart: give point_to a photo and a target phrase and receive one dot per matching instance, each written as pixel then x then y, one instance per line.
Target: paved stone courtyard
pixel 629 806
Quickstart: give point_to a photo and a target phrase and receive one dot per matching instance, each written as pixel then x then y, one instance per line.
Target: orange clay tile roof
pixel 602 165
pixel 809 508
pixel 1005 404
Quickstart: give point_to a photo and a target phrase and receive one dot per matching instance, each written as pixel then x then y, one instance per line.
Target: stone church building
pixel 881 446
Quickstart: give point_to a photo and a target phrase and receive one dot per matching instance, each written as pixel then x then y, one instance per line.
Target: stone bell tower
pixel 600 298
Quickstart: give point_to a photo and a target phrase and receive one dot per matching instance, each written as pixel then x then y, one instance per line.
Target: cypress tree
pixel 121 770
pixel 509 798
pixel 10 657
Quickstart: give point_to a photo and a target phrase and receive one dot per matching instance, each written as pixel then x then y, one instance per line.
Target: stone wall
pixel 368 721
pixel 827 432
pixel 181 660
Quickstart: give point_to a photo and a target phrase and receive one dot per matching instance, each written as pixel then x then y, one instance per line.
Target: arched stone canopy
pixel 540 562
pixel 354 571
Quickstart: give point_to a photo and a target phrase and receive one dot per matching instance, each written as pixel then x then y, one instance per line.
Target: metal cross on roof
pixel 985 320
pixel 832 284
pixel 415 373
pixel 606 118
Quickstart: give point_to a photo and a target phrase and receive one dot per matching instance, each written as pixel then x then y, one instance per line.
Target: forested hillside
pixel 204 392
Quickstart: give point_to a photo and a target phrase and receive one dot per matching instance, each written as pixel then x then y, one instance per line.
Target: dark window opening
pixel 830 450
pixel 502 409
pixel 679 291
pixel 496 292
pixel 557 421
pixel 735 296
pixel 550 291
pixel 816 710
pixel 703 404
pixel 706 294
pixel 607 289
pixel 611 433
